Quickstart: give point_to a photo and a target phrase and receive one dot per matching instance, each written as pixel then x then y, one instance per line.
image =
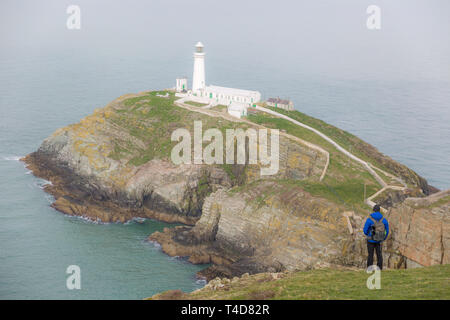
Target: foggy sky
pixel 328 37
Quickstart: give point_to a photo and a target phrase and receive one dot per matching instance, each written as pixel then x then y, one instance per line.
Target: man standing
pixel 376 229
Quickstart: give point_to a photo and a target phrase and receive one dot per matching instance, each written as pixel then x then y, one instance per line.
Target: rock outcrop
pixel 421 230
pixel 419 234
pixel 156 190
pixel 269 227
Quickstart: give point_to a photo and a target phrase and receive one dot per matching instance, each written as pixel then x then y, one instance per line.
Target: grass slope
pixel 420 283
pixel 151 120
pixel 345 178
pixel 355 145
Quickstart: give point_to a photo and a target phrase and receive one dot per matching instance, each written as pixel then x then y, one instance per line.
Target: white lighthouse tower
pixel 236 100
pixel 198 79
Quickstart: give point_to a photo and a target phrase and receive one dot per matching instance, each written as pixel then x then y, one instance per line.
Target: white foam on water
pixel 155 244
pixel 12 158
pixel 135 220
pixel 86 219
pixel 49 198
pixel 201 282
pixel 41 183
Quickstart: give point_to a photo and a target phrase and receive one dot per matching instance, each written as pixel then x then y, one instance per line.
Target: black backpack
pixel 378 229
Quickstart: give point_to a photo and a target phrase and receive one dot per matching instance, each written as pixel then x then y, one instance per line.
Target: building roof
pixel 278 100
pixel 232 91
pixel 199 44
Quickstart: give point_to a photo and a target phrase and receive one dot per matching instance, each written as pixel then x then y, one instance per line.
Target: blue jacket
pixel 369 223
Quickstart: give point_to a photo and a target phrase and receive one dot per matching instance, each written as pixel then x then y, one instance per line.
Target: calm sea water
pixel 50 83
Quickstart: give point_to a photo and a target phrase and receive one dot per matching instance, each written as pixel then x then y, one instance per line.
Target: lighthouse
pixel 236 100
pixel 198 79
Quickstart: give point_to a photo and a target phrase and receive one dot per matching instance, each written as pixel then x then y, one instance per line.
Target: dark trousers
pixel 370 248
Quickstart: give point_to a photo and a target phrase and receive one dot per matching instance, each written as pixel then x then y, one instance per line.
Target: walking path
pixel 348 154
pixel 370 168
pixel 214 113
pixel 367 165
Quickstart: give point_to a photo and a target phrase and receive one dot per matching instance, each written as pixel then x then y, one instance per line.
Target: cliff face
pixel 418 234
pixel 269 226
pixel 273 227
pixel 421 230
pixel 155 190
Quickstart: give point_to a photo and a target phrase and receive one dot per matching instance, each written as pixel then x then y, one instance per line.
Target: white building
pixel 236 99
pixel 237 110
pixel 181 85
pixel 227 96
pixel 198 78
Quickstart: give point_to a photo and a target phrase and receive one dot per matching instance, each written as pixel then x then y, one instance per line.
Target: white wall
pixel 226 98
pixel 198 78
pixel 180 83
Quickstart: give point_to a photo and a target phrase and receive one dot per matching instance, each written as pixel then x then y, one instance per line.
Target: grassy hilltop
pixel 151 119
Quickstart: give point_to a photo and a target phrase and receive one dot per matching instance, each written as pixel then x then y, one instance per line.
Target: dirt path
pixel 370 168
pixel 226 116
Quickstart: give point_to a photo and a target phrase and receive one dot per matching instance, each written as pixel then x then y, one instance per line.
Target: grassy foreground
pixel 420 283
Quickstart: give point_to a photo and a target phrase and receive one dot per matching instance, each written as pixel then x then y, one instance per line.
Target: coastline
pixel 78 204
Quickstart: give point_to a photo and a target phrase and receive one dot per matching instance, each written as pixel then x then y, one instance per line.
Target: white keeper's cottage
pixel 236 100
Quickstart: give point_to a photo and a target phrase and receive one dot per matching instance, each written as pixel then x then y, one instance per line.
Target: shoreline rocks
pixel 86 197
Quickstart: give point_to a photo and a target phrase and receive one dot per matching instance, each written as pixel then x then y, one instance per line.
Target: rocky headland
pixel 114 165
